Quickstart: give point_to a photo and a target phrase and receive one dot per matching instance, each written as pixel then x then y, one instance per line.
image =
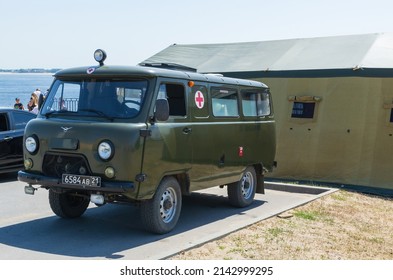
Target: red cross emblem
pixel 199 99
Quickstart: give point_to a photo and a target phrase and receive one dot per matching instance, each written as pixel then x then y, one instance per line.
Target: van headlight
pixel 31 144
pixel 106 150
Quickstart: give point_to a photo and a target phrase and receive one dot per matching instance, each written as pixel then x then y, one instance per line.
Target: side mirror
pixel 162 110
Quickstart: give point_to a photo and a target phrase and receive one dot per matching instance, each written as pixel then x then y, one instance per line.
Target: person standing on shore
pixel 33 104
pixel 37 92
pixel 18 105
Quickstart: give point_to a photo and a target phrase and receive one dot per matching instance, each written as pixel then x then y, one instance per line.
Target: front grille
pixel 55 165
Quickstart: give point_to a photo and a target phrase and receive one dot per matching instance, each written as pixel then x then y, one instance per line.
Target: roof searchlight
pixel 100 56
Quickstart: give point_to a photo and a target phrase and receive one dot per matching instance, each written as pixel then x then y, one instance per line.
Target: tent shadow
pixel 104 232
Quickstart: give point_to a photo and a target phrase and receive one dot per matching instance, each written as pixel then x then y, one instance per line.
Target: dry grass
pixel 342 225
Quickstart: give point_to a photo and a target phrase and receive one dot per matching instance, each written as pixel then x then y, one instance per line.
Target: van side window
pixel 224 102
pixel 175 94
pixel 255 103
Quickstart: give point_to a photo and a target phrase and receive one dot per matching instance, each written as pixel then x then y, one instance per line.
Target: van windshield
pixel 106 98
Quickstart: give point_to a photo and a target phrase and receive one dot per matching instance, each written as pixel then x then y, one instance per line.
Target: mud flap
pixel 260 184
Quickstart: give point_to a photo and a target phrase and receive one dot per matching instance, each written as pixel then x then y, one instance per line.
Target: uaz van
pixel 149 135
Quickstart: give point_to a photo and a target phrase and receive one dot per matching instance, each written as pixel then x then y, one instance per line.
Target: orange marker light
pixel 191 83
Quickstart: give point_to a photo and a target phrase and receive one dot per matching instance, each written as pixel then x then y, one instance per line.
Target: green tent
pixel 332 96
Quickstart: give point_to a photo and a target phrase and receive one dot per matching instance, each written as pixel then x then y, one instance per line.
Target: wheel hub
pixel 167 204
pixel 247 183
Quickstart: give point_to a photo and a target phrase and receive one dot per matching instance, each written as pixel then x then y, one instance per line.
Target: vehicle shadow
pixel 106 231
pixel 8 177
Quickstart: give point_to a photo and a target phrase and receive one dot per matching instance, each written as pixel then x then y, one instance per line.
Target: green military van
pixel 149 135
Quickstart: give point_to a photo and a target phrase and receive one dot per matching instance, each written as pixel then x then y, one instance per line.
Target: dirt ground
pixel 343 225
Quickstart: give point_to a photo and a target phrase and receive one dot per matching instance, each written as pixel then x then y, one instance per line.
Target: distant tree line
pixel 31 70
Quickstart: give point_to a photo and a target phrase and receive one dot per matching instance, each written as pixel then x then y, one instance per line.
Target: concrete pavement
pixel 29 229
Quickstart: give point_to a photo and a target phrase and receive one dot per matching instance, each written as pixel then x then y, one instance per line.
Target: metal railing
pixel 69 104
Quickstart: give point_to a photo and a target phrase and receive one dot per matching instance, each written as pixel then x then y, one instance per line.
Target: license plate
pixel 80 180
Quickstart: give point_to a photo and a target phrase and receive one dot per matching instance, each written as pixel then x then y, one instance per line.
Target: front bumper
pixel 46 181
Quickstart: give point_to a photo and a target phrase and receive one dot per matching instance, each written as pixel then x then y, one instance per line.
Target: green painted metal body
pixel 201 150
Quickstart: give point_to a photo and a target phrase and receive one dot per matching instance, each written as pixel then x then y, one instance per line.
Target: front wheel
pixel 241 194
pixel 161 213
pixel 67 205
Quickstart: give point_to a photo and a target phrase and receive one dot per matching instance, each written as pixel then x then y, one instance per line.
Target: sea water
pixel 21 85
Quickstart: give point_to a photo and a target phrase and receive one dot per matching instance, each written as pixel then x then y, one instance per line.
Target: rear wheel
pixel 161 213
pixel 67 205
pixel 241 194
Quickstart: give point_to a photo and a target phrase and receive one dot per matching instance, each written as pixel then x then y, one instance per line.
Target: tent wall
pixel 350 138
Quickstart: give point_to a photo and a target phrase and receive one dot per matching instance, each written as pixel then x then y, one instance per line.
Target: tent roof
pixel 340 55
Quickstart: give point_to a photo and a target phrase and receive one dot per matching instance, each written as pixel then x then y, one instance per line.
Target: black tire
pixel 242 193
pixel 161 213
pixel 66 205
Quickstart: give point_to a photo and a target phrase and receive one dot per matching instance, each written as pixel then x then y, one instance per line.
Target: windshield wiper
pixel 48 114
pixel 65 112
pixel 99 113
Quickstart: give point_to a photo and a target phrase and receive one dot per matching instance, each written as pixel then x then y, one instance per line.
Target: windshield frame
pixel 107 98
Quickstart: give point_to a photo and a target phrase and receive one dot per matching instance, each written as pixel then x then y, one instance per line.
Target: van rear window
pixel 255 103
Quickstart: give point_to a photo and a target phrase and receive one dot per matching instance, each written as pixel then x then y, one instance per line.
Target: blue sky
pixel 60 34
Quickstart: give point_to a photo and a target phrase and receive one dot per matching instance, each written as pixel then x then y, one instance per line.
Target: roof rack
pixel 171 66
